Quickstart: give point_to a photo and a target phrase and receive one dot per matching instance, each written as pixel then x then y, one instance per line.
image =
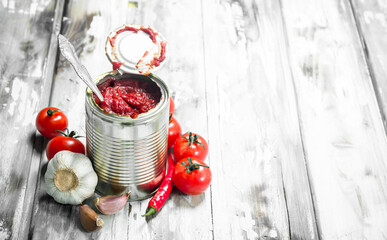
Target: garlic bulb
pixel 70 178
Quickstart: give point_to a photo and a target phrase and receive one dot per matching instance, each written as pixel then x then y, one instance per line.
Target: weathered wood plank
pixel 53 220
pixel 183 217
pixel 342 131
pixel 26 69
pixel 260 188
pixel 372 26
pixel 88 24
pixel 243 54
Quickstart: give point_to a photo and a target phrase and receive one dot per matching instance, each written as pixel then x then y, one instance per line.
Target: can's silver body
pixel 128 154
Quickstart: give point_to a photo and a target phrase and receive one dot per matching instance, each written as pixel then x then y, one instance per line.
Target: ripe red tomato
pixel 49 120
pixel 171 106
pixel 190 145
pixel 174 131
pixel 191 176
pixel 66 142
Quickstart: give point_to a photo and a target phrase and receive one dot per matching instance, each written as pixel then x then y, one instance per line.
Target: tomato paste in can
pixel 127 133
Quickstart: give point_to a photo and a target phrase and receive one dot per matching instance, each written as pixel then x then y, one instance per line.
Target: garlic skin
pixel 70 178
pixel 111 204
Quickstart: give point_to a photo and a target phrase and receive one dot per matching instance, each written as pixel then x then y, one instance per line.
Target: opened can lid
pixel 135 49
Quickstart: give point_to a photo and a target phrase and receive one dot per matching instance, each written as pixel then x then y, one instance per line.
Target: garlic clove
pixel 89 219
pixel 111 204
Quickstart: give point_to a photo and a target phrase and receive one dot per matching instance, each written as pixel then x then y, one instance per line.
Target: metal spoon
pixel 68 52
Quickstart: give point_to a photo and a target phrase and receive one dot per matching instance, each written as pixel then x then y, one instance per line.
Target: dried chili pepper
pixel 164 190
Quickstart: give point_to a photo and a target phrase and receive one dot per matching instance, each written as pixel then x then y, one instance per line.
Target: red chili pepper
pixel 164 190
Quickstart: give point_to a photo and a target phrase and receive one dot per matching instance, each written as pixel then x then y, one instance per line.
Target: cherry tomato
pixel 191 176
pixel 190 145
pixel 171 105
pixel 49 120
pixel 66 142
pixel 174 131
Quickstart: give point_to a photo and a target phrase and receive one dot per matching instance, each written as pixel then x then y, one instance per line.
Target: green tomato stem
pixel 50 112
pixel 192 166
pixel 192 138
pixel 72 134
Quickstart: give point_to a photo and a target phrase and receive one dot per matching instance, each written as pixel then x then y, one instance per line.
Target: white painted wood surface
pixel 28 54
pixel 344 139
pixel 283 91
pixel 371 22
pixel 256 144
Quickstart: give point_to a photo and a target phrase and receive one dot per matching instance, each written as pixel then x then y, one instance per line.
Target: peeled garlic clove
pixel 90 219
pixel 111 204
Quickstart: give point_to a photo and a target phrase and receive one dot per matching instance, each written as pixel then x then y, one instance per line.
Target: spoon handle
pixel 68 52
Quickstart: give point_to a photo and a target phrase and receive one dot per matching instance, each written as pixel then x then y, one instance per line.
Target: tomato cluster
pixel 191 175
pixel 52 123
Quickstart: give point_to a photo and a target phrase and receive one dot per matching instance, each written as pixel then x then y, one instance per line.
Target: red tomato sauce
pixel 128 97
pixel 116 65
pixel 157 59
pixel 152 34
pixel 112 40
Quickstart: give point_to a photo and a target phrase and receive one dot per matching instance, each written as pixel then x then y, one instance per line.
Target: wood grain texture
pixel 284 91
pixel 342 131
pixel 183 216
pixel 87 25
pixel 26 66
pixel 260 187
pixel 371 21
pixel 53 220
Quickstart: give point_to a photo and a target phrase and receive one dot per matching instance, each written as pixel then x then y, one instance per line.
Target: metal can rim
pixel 127 120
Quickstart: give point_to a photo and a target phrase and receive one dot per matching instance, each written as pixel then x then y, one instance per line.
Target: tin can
pixel 128 154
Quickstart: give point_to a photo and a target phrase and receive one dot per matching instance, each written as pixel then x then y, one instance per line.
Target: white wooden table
pixel 291 95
